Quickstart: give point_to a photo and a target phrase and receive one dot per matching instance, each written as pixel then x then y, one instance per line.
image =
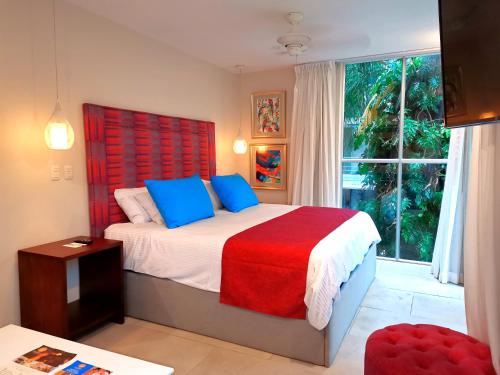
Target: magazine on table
pixel 50 360
pixel 82 368
pixel 45 358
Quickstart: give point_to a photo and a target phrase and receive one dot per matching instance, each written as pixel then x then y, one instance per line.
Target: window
pixel 395 151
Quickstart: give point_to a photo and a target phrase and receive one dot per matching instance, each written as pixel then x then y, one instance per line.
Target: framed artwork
pixel 268 114
pixel 268 166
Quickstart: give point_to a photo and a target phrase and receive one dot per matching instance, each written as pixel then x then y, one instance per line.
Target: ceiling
pixel 231 32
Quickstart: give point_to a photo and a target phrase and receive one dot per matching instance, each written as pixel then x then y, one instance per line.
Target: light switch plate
pixel 55 173
pixel 68 172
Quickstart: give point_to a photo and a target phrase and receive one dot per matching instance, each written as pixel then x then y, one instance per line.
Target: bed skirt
pixel 176 305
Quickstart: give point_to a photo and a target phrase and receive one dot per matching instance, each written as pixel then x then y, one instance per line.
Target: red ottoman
pixel 425 349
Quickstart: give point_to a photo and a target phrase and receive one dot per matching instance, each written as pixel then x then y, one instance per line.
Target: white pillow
pixel 148 204
pixel 213 195
pixel 134 211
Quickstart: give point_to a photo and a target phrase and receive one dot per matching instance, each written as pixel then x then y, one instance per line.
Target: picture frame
pixel 268 166
pixel 269 114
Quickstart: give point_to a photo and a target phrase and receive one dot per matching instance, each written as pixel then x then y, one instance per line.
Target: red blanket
pixel 264 268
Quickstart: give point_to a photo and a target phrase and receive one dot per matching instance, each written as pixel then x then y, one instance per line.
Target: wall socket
pixel 55 172
pixel 68 172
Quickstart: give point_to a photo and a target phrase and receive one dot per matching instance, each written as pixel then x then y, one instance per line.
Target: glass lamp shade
pixel 59 134
pixel 240 145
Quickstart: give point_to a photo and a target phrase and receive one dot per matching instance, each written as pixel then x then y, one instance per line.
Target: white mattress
pixel 192 254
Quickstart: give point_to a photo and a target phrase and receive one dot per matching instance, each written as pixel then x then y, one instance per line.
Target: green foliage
pixel 373 105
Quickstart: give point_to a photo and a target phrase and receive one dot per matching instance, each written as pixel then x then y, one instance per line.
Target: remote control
pixel 84 241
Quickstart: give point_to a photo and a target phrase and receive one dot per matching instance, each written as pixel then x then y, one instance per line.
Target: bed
pixel 173 277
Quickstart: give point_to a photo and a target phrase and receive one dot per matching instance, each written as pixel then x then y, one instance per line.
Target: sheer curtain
pixel 447 262
pixel 482 240
pixel 315 139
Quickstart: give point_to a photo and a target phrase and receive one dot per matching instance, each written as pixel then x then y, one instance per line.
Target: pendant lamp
pixel 59 134
pixel 240 145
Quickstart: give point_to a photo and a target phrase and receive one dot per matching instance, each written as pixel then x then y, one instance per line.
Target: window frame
pixel 400 160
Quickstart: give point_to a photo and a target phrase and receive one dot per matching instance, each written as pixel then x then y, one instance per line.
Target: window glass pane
pixel 422 192
pixel 371 109
pixel 424 132
pixel 372 188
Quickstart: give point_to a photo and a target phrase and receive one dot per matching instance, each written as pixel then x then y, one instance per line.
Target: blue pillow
pixel 234 192
pixel 181 201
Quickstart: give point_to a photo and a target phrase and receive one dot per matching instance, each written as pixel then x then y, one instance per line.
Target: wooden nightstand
pixel 43 287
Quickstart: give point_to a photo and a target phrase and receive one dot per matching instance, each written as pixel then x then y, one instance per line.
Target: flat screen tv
pixel 470 52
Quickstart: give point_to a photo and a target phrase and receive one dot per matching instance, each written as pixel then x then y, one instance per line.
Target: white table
pixel 15 341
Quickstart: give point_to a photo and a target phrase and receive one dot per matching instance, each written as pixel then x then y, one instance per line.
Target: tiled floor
pixel 400 293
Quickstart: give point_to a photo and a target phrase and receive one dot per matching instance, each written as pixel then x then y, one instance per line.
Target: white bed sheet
pixel 192 254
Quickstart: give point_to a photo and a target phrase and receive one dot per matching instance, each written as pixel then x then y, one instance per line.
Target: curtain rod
pixel 382 56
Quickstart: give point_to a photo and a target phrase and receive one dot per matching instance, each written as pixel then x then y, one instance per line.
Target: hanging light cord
pixel 241 88
pixel 55 47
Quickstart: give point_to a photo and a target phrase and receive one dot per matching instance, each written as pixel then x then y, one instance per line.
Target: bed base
pixel 176 305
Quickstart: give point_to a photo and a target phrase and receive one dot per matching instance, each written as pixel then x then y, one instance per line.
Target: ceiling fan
pixel 295 43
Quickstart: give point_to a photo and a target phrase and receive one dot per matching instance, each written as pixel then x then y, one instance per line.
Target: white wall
pixel 102 63
pixel 280 79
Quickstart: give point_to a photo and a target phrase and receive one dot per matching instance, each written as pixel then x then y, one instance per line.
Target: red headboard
pixel 125 147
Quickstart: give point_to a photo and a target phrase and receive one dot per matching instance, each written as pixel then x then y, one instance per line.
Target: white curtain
pixel 482 240
pixel 447 261
pixel 316 134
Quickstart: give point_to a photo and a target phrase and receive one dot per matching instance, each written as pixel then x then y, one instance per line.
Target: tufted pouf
pixel 425 349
